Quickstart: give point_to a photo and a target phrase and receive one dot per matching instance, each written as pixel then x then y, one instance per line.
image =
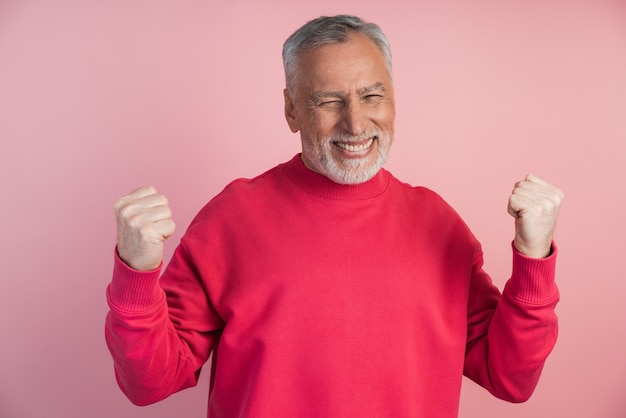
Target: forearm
pixel 151 362
pixel 509 357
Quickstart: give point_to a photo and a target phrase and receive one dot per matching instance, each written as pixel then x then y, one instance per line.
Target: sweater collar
pixel 322 186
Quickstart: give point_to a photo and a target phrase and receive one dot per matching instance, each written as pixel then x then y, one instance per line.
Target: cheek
pixel 386 117
pixel 321 124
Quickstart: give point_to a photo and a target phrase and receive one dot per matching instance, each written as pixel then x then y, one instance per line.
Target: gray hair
pixel 329 30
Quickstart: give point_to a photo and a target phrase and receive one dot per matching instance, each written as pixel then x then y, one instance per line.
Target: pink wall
pixel 98 97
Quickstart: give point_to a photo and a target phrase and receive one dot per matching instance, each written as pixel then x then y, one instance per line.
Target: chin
pixel 354 171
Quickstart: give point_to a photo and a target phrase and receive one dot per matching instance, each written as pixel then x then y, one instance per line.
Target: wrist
pixel 533 251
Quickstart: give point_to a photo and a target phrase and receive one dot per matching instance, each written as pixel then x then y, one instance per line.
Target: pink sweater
pixel 325 300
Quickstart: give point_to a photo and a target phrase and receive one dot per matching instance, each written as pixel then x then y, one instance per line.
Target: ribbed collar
pixel 322 186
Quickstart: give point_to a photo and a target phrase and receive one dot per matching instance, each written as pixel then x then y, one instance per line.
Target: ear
pixel 290 113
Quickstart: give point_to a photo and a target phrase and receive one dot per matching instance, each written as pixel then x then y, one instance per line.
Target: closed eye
pixel 372 98
pixel 327 99
pixel 329 103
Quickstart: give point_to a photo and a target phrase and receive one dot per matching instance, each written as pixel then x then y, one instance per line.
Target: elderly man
pixel 325 287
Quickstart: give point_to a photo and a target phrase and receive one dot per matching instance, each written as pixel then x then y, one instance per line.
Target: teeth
pixel 355 148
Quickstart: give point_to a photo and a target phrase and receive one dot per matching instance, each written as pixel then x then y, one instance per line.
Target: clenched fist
pixel 535 205
pixel 144 221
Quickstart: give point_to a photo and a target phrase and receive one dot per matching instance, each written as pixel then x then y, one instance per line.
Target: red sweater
pixel 326 300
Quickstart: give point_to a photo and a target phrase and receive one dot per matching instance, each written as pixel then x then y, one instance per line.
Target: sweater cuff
pixel 532 279
pixel 133 290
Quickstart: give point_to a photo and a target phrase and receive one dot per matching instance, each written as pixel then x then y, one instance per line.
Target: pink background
pixel 99 97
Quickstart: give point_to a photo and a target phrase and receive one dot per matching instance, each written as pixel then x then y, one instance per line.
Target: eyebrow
pixel 376 87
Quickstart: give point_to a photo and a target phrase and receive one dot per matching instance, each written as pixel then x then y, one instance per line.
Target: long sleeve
pixel 509 339
pixel 153 356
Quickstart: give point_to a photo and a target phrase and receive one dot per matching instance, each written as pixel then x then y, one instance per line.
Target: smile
pixel 355 147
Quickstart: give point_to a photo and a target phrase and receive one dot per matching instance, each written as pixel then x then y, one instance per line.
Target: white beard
pixel 349 170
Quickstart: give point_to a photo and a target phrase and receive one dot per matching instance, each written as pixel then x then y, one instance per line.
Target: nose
pixel 355 118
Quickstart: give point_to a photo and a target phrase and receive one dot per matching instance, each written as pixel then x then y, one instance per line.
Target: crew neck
pixel 321 186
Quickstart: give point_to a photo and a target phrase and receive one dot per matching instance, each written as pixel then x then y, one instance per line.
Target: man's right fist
pixel 144 221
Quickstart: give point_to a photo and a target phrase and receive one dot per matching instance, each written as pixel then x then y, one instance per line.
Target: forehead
pixel 355 62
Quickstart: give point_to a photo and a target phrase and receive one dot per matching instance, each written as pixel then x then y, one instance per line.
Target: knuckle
pixel 560 194
pixel 119 204
pixel 556 197
pixel 549 204
pixel 136 222
pixel 126 212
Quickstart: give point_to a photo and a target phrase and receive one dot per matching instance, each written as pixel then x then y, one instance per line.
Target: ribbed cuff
pixel 532 279
pixel 132 290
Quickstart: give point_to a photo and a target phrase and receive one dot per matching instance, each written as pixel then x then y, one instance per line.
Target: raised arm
pixel 155 353
pixel 510 337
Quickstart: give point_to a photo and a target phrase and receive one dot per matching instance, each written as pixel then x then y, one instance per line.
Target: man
pixel 325 287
